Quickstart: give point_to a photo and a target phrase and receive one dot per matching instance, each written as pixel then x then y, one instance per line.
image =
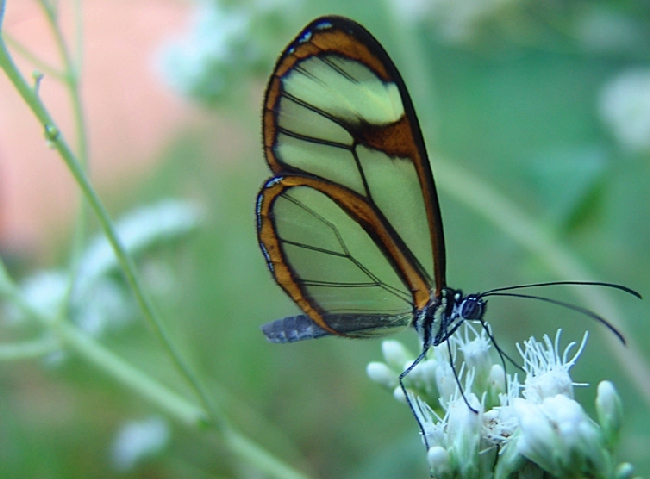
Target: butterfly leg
pixel 409 401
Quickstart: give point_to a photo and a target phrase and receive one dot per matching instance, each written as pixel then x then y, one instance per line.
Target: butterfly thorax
pixel 440 318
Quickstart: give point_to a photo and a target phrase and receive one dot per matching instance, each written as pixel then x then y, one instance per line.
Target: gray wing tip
pixel 292 329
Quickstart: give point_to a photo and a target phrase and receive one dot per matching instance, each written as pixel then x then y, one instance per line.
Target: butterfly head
pixel 470 307
pixel 444 314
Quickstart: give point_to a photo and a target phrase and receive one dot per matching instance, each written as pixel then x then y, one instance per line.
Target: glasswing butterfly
pixel 350 224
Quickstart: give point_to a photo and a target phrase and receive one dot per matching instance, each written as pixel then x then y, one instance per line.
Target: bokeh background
pixel 548 103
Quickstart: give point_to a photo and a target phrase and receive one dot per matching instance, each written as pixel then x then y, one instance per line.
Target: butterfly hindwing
pixel 335 256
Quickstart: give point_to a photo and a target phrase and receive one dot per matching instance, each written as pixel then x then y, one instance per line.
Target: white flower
pixel 139 439
pixel 45 293
pixel 215 40
pixel 446 381
pixel 464 432
pixel 610 412
pixel 547 374
pixel 625 108
pixel 439 461
pixel 457 20
pixel 396 355
pixel 502 433
pixel 382 374
pixel 476 350
pixel 559 437
pixel 435 427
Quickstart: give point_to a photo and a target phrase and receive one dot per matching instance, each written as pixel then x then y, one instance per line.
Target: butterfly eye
pixel 472 307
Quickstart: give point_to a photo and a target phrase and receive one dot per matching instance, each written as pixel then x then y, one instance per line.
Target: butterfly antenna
pixel 620 287
pixel 573 307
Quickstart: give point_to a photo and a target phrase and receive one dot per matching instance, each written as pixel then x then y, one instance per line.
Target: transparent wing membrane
pixel 350 225
pixel 336 266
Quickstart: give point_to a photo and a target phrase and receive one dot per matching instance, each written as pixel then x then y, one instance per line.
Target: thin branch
pixel 57 141
pixel 38 63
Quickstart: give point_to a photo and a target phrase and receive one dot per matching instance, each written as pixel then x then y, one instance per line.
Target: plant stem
pixel 27 349
pixel 250 451
pixel 102 358
pixel 56 139
pixel 71 78
pixel 174 405
pixel 38 63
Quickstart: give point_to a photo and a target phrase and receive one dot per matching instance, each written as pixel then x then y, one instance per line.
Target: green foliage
pixel 533 100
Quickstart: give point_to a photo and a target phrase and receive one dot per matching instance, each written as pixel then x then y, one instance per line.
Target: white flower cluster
pixel 216 40
pixel 224 43
pixel 457 20
pixel 530 430
pixel 97 300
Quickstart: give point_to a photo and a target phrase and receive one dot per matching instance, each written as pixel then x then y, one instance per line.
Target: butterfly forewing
pixel 337 112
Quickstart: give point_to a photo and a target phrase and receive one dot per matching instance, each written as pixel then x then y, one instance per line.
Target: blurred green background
pixel 546 102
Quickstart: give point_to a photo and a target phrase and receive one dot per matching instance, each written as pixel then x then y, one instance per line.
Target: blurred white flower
pixel 107 305
pixel 44 292
pixel 225 43
pixel 140 229
pixel 412 10
pixel 137 440
pixel 625 108
pixel 603 29
pixel 216 38
pixel 456 20
pixel 99 300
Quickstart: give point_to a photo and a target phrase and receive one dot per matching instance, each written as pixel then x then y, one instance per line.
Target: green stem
pixel 71 78
pixel 168 401
pixel 135 380
pixel 264 461
pixel 174 405
pixel 80 343
pixel 32 58
pixel 91 350
pixel 27 349
pixel 58 142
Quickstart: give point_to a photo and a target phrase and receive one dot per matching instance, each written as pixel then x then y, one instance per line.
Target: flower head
pixel 547 373
pixel 494 426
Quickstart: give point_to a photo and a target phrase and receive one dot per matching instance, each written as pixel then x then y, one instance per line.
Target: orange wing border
pixel 360 211
pixel 344 37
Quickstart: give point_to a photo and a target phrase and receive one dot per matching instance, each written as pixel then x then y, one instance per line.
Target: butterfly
pixel 350 224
